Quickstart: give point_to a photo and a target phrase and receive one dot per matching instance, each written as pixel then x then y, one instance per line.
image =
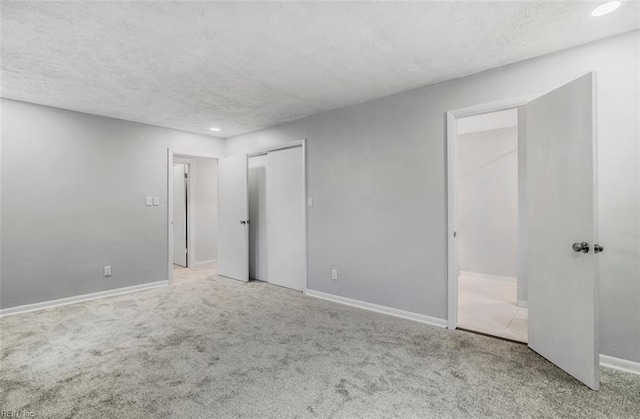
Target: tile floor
pixel 489 306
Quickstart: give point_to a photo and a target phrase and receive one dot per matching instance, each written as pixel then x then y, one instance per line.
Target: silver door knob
pixel 580 247
pixel 598 248
pixel 243 222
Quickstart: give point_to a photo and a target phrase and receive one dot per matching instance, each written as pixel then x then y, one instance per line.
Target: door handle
pixel 243 222
pixel 598 248
pixel 580 247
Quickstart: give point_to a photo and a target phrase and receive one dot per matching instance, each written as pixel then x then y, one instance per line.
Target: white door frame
pixel 187 157
pixel 452 191
pixel 292 144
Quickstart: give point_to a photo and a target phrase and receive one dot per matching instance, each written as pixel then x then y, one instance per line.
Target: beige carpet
pixel 209 347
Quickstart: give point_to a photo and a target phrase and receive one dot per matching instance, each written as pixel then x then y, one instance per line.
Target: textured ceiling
pixel 243 66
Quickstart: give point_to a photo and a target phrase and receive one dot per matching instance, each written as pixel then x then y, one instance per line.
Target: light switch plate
pixel 148 201
pixel 309 202
pixel 156 201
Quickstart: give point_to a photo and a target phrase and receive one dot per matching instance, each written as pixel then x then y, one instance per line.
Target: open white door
pixel 179 215
pixel 233 231
pixel 562 210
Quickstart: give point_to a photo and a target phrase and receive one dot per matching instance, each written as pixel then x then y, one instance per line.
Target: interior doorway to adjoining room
pixel 491 293
pixel 193 212
pixel 180 204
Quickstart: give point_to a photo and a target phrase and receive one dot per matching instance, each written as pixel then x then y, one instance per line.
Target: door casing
pixel 452 191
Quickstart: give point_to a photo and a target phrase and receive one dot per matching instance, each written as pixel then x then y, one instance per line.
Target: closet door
pixel 286 218
pixel 258 216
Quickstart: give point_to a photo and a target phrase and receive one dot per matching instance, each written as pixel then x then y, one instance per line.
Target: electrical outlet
pixel 156 201
pixel 334 274
pixel 310 202
pixel 107 271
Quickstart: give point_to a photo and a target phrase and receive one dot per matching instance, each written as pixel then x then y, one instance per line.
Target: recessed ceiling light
pixel 605 9
pixel 214 129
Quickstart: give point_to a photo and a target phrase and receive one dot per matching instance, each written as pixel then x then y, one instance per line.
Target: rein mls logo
pixel 17 414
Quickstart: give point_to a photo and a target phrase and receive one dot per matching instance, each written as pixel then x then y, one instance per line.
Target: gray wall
pixel 73 189
pixel 205 197
pixel 488 202
pixel 377 174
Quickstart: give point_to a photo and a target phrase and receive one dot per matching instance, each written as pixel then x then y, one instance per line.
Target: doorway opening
pixel 181 207
pixel 491 290
pixel 192 215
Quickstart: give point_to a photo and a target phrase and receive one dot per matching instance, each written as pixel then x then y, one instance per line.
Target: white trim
pixel 305 212
pixel 191 213
pixel 421 318
pixel 523 303
pixel 265 150
pixel 181 160
pixel 489 276
pixel 204 262
pixel 452 240
pixel 188 154
pixel 169 215
pixel 452 188
pixel 620 364
pixel 1 113
pixel 499 105
pixel 80 298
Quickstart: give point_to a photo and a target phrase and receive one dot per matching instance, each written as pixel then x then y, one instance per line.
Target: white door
pixel 562 210
pixel 179 215
pixel 233 231
pixel 258 217
pixel 285 215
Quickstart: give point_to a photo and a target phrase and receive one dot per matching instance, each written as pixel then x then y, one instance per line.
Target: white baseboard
pixel 523 303
pixel 79 298
pixel 620 364
pixel 204 262
pixel 433 321
pixel 489 276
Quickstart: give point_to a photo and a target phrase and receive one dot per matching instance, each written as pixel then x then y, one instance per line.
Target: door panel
pixel 285 215
pixel 233 232
pixel 179 215
pixel 258 217
pixel 562 203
